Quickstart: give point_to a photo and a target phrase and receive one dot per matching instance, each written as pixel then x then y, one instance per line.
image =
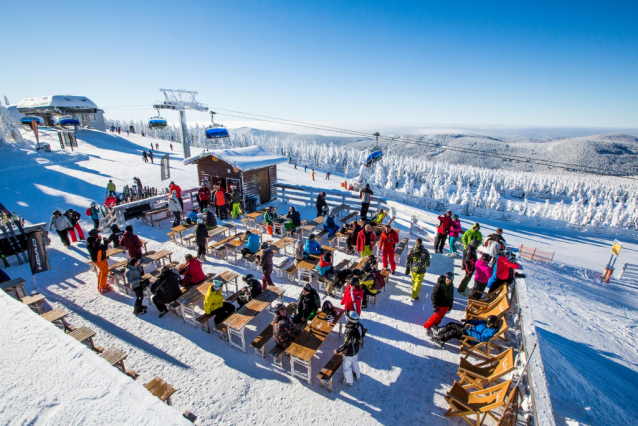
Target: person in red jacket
pixel 192 271
pixel 365 241
pixel 502 271
pixel 204 196
pixel 132 243
pixel 353 296
pixel 220 203
pixel 388 240
pixel 442 231
pixel 174 187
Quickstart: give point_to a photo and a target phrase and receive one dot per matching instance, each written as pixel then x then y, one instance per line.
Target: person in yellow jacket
pixel 215 305
pixel 379 216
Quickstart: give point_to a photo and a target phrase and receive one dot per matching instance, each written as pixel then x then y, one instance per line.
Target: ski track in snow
pixel 587 329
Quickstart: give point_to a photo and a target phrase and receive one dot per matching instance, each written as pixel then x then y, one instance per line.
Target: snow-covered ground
pixel 586 328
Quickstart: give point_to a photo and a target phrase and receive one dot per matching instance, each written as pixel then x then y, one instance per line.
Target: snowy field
pixel 587 329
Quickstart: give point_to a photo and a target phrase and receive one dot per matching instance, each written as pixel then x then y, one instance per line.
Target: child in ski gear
pixel 252 290
pixel 353 296
pixel 110 189
pixel 480 330
pixel 330 225
pixel 307 306
pixel 388 241
pixel 252 244
pixel 321 203
pixel 284 331
pixel 472 234
pixel 175 207
pixel 468 264
pixel 312 246
pixel 455 229
pixel 74 218
pixel 214 303
pixel 201 237
pixel 417 262
pixel 132 243
pixel 97 251
pixel 134 274
pixel 350 348
pixel 483 275
pixel 235 199
pixel 442 300
pixel 366 196
pixel 166 289
pixel 379 216
pixel 266 263
pixel 445 223
pixel 62 225
pixel 365 241
pixel 192 271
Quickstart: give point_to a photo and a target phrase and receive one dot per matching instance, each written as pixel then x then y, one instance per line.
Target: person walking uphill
pixel 416 265
pixel 266 263
pixel 472 234
pixel 62 225
pixel 445 224
pixel 235 199
pixel 175 207
pixel 132 243
pixel 97 251
pixel 388 241
pixel 365 241
pixel 442 300
pixel 366 196
pixel 350 348
pixel 321 203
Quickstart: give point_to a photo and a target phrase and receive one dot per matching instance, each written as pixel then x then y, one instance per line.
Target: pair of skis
pixel 16 245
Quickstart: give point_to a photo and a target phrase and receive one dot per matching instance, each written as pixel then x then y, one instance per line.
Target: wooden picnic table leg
pixel 181 240
pixel 309 370
pixel 66 327
pixel 121 364
pixel 237 289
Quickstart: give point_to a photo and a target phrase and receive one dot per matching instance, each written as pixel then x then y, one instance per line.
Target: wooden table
pixel 15 286
pixel 283 244
pixel 85 334
pixel 220 229
pixel 113 251
pixel 308 342
pixel 179 229
pixel 57 315
pixel 35 302
pixel 339 209
pixel 311 226
pixel 161 389
pixel 304 269
pixel 237 321
pixel 222 245
pixel 115 357
pixel 149 215
pixel 324 250
pixel 254 216
pixel 346 219
pixel 228 277
pixel 144 244
pixel 342 237
pixel 160 255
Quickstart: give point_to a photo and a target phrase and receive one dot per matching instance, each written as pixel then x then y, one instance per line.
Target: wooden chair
pixel 161 389
pixel 483 350
pixel 291 273
pixel 477 308
pixel 327 373
pixel 498 308
pixel 488 372
pixel 487 297
pixel 479 403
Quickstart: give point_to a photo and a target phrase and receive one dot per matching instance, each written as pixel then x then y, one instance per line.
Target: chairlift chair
pixel 376 154
pixel 68 120
pixel 157 122
pixel 215 131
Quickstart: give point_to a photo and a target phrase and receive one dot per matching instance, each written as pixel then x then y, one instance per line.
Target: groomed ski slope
pixel 586 329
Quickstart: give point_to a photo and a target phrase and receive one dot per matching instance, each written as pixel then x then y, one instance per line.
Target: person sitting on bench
pixel 214 303
pixel 252 290
pixel 165 289
pixel 252 244
pixel 209 219
pixel 481 330
pixel 308 305
pixel 351 241
pixel 284 331
pixel 192 215
pixel 325 267
pixel 371 283
pixel 312 246
pixel 379 216
pixel 330 225
pixel 294 219
pixel 192 271
pixel 339 280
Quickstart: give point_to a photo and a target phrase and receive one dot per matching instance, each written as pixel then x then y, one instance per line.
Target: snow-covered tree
pixel 9 130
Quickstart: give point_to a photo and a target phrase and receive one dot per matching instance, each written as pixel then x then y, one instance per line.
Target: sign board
pixel 166 168
pixel 615 249
pixel 37 253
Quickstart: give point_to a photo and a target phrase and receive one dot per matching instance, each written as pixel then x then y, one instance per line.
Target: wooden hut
pixel 252 169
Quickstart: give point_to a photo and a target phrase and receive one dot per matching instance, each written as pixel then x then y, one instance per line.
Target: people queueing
pixel 235 200
pixel 455 230
pixel 473 233
pixel 134 274
pixel 266 263
pixel 215 305
pixel 312 247
pixel 97 251
pixel 166 289
pixel 252 244
pixel 62 225
pixel 330 225
pixel 192 271
pixel 320 203
pixel 201 237
pixel 175 207
pixel 469 265
pixel 353 295
pixel 365 241
pixel 387 241
pixel 366 197
pixel 483 274
pixel 94 212
pixel 294 219
pixel 74 217
pixel 352 337
pixel 252 290
pixel 284 331
pixel 481 330
pixel 442 232
pixel 132 243
pixel 442 301
pixel 203 195
pixel 307 306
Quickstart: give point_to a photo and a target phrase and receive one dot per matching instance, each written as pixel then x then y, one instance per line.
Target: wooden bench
pixel 340 208
pixel 277 353
pixel 161 389
pixel 279 263
pixel 291 272
pixel 205 318
pixel 57 316
pixel 347 219
pixel 85 335
pixel 172 235
pixel 323 281
pixel 290 232
pixel 327 373
pixel 35 302
pixel 260 341
pixel 399 251
pixel 15 286
pixel 320 235
pixel 189 239
pixel 116 358
pixel 250 262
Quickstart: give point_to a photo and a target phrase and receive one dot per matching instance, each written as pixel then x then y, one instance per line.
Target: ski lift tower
pixel 181 100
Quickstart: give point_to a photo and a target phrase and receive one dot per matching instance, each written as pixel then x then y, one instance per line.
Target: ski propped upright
pixel 17 246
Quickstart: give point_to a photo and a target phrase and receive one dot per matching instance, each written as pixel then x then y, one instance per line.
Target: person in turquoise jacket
pixel 312 246
pixel 252 244
pixel 480 330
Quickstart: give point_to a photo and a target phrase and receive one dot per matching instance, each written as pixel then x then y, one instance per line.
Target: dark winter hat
pixel 132 261
pixel 264 246
pixel 356 271
pixel 355 281
pixel 115 228
pixel 486 257
pixel 129 228
pixel 247 277
pixel 93 232
pixel 307 287
pixel 367 268
pixel 449 275
pixel 474 243
pixel 56 212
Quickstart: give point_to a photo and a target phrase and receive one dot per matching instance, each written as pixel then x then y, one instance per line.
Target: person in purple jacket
pixel 482 275
pixel 455 229
pixel 481 330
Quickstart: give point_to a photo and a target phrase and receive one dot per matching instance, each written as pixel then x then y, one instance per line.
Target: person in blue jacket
pixel 193 215
pixel 330 225
pixel 252 244
pixel 481 330
pixel 312 246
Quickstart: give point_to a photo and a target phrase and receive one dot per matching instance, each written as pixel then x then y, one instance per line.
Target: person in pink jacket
pixel 455 229
pixel 482 275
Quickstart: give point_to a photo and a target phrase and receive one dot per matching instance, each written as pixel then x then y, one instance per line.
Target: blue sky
pixel 359 64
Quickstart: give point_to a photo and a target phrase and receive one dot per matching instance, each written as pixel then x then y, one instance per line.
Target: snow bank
pixel 67 383
pixel 250 158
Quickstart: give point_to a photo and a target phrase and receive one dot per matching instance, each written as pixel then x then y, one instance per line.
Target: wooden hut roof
pixel 244 159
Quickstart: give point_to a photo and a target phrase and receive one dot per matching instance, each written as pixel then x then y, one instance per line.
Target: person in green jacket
pixel 236 201
pixel 110 188
pixel 472 234
pixel 269 217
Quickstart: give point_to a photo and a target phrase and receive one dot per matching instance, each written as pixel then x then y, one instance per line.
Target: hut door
pixel 264 186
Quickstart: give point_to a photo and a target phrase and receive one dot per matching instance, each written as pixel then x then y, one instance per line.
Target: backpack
pixel 88 211
pixel 379 281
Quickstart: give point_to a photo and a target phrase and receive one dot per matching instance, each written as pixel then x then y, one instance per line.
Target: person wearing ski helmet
pixel 349 349
pixel 503 271
pixel 468 264
pixel 62 225
pixel 478 330
pixel 455 230
pixel 97 251
pixel 94 212
pixel 307 306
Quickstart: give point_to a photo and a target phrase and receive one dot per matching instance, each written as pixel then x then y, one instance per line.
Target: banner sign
pixel 38 257
pixel 166 169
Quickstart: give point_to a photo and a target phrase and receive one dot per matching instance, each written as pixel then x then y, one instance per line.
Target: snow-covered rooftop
pixel 249 158
pixel 49 377
pixel 57 101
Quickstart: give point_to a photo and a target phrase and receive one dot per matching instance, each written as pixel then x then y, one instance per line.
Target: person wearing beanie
pixel 266 263
pixel 209 219
pixel 284 331
pixel 442 301
pixel 353 295
pixel 252 290
pixel 215 305
pixel 62 225
pixel 330 225
pixel 132 243
pixel 307 306
pixel 479 330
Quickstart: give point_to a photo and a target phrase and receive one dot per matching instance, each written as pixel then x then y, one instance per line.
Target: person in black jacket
pixel 442 300
pixel 209 216
pixel 351 241
pixel 294 219
pixel 201 237
pixel 469 265
pixel 116 235
pixel 97 251
pixel 350 348
pixel 321 203
pixel 166 289
pixel 252 290
pixel 74 217
pixel 308 305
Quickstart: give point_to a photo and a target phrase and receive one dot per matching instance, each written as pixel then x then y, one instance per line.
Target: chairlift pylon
pixel 157 122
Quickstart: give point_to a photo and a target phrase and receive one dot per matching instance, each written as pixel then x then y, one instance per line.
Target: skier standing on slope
pixel 144 156
pixel 110 189
pixel 150 155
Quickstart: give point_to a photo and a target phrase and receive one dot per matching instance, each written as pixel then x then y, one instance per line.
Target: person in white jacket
pixel 62 225
pixel 175 207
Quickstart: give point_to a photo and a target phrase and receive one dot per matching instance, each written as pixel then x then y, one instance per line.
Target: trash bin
pixel 45 146
pixel 251 204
